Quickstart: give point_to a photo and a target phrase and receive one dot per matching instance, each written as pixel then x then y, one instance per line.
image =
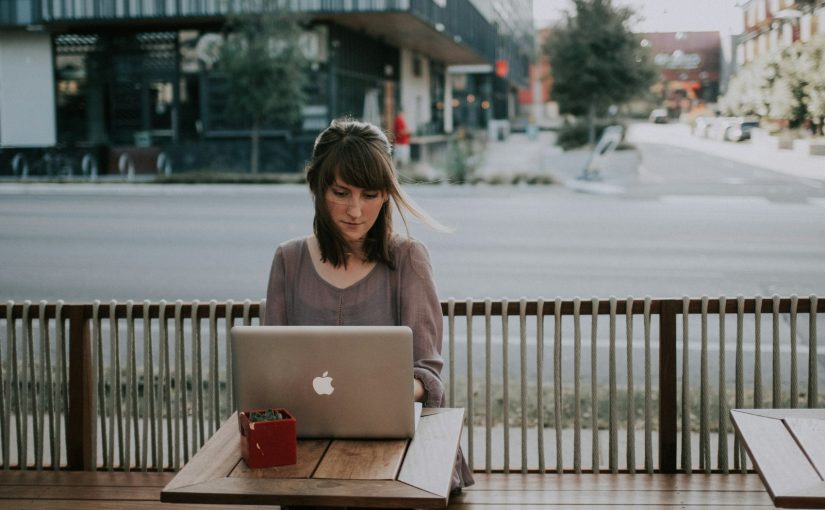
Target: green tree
pixel 264 68
pixel 596 61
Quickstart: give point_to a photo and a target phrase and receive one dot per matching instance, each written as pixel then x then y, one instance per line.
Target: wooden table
pixel 370 473
pixel 787 446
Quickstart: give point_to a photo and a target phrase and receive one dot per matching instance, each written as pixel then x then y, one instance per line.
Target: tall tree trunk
pixel 591 125
pixel 255 149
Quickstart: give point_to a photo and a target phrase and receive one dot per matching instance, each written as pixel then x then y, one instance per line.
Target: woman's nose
pixel 354 208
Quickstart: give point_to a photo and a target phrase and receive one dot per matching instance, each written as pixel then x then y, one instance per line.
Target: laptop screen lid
pixel 338 381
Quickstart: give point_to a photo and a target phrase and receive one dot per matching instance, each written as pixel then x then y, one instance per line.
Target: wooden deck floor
pixel 103 491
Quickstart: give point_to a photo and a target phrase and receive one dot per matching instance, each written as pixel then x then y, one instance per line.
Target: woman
pixel 354 270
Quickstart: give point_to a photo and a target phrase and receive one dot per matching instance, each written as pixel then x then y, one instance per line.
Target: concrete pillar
pixel 27 102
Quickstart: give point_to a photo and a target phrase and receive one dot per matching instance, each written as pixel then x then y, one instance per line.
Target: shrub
pixel 573 135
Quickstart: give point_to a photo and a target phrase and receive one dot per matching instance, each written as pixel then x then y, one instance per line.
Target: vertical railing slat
pixel 577 411
pixel 147 374
pixel 165 403
pixel 131 372
pixel 9 385
pixel 540 381
pixel 230 384
pixel 523 379
pixel 594 387
pixel 505 370
pixel 197 380
pixel 704 389
pixel 648 389
pixel 23 460
pixel 557 384
pixel 181 419
pixel 739 462
pixel 214 389
pixel 631 397
pixel 96 377
pixel 794 366
pixel 757 353
pixel 613 446
pixel 43 387
pixel 813 362
pixel 488 383
pixel 776 369
pixel 686 454
pixel 470 389
pixel 115 416
pixel 451 348
pixel 722 457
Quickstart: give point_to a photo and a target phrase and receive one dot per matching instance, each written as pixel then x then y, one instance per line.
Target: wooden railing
pixel 57 376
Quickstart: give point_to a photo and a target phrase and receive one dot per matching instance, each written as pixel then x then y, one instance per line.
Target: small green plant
pixel 268 415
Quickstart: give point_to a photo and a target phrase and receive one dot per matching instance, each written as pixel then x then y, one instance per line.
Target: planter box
pixel 808 147
pixel 268 443
pixel 764 140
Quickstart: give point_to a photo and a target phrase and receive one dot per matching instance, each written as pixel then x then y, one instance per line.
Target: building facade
pixel 774 24
pixel 689 69
pixel 95 80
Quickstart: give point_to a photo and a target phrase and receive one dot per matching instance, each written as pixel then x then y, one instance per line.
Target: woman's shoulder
pixel 292 249
pixel 410 252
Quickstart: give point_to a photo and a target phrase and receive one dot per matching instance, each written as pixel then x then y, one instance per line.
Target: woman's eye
pixel 339 193
pixel 371 195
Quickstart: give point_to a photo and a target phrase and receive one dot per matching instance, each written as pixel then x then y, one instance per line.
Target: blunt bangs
pixel 358 164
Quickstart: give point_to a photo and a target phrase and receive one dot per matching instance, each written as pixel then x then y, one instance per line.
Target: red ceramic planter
pixel 268 443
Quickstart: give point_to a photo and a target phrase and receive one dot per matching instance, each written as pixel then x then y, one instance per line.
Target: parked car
pixel 737 129
pixel 658 116
pixel 701 126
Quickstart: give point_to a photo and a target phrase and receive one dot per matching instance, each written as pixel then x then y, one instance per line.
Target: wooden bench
pixel 59 490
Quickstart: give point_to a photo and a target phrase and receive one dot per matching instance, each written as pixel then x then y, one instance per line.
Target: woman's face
pixel 353 210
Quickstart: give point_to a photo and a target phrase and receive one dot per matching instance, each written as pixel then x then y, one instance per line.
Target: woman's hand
pixel 418 391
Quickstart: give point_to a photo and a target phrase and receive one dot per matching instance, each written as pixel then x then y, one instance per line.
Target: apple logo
pixel 323 385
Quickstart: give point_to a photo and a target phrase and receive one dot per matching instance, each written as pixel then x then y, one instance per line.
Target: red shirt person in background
pixel 401 151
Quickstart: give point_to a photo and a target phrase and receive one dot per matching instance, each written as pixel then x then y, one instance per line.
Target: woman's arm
pixel 421 311
pixel 275 314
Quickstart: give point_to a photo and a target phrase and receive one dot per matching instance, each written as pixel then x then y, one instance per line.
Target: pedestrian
pixel 354 269
pixel 401 154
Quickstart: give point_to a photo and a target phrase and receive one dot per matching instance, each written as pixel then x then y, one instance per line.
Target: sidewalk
pixel 519 155
pixel 783 161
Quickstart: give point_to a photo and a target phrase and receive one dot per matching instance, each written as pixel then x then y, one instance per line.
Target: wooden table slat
pixel 783 466
pixel 215 459
pixel 431 456
pixel 649 499
pixel 362 460
pixel 309 452
pixel 380 493
pixel 809 497
pixel 696 482
pixel 810 434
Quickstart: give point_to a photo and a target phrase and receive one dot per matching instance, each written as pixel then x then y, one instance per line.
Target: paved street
pixel 685 223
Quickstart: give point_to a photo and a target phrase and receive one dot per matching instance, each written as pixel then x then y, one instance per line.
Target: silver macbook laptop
pixel 338 381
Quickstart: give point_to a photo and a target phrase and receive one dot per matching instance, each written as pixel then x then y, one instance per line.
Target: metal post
pixel 667 386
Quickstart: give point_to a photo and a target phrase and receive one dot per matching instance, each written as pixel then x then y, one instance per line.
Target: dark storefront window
pixel 80 73
pixel 119 89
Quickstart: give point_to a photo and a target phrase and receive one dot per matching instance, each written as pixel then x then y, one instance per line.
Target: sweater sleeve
pixel 421 311
pixel 275 314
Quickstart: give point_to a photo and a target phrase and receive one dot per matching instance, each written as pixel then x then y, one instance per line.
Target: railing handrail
pixel 460 307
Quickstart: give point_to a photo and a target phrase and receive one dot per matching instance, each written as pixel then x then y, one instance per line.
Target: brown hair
pixel 359 154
